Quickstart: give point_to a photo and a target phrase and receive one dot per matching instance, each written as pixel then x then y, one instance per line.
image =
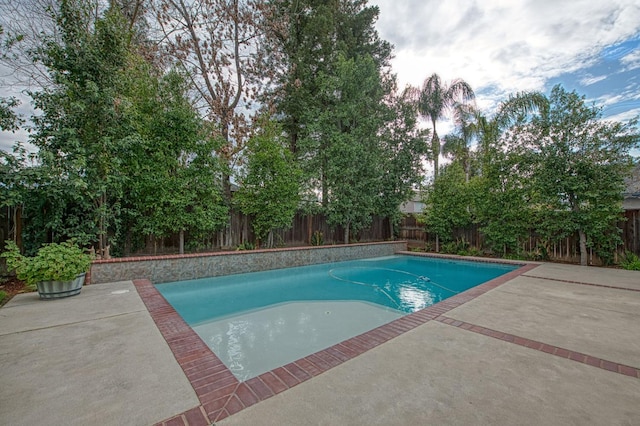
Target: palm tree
pixel 435 100
pixel 457 145
pixel 516 108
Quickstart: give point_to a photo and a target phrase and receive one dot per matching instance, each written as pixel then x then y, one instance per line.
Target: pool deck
pixel 546 344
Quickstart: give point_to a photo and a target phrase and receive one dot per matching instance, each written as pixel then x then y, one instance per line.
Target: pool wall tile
pixel 162 269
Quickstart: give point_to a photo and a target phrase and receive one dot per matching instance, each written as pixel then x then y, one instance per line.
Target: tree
pixel 81 129
pixel 346 138
pixel 578 168
pixel 306 41
pixel 457 145
pixel 9 120
pixel 435 100
pixel 403 150
pixel 305 38
pixel 24 25
pixel 446 203
pixel 171 152
pixel 217 44
pixel 269 185
pixel 502 200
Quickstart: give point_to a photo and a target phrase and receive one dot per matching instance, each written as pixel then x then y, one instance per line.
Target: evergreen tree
pixel 269 185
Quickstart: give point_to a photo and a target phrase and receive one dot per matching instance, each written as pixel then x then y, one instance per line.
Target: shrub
pixel 246 246
pixel 53 262
pixel 317 239
pixel 630 261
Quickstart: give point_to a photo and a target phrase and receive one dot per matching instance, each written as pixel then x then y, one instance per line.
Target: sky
pixel 501 47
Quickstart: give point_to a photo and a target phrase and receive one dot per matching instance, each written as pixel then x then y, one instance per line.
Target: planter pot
pixel 60 289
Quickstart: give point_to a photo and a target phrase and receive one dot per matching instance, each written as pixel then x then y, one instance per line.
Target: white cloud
pixel 588 80
pixel 632 60
pixel 506 45
pixel 625 116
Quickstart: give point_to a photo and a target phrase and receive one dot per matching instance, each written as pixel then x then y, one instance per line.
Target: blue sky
pixel 613 81
pixel 504 46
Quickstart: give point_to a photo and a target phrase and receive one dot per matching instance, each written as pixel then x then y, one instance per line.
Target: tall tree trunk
pixel 17 226
pixel 181 243
pixel 346 233
pixel 391 236
pixel 583 248
pixel 435 148
pixel 437 243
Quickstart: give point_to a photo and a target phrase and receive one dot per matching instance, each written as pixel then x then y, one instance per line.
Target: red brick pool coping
pixel 221 394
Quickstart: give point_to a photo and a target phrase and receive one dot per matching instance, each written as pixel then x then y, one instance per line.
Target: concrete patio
pixel 558 344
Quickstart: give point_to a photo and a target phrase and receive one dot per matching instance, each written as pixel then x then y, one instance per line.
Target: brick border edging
pixel 615 287
pixel 544 347
pixel 221 394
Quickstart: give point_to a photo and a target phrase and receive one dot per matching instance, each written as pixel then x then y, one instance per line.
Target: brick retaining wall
pixel 161 269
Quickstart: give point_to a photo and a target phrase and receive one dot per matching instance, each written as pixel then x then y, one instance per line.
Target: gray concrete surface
pixel 441 375
pixel 601 322
pixel 96 358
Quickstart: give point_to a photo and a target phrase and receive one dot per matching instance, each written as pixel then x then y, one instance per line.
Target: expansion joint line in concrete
pixel 544 347
pixel 65 324
pixel 615 287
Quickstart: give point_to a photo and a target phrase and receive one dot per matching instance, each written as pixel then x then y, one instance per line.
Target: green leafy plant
pixel 460 247
pixel 630 261
pixel 246 246
pixel 53 262
pixel 3 295
pixel 317 239
pixel 474 251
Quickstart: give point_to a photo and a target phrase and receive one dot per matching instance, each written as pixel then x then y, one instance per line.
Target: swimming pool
pixel 258 321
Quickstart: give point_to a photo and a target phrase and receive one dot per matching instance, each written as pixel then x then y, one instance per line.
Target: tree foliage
pixel 580 163
pixel 447 203
pixel 548 166
pixel 173 153
pixel 81 130
pixel 269 186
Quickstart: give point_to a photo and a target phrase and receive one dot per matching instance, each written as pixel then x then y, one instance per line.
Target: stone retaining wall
pixel 161 269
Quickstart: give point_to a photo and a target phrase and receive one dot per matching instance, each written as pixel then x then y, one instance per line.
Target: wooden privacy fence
pixel 566 250
pixel 239 231
pixel 304 226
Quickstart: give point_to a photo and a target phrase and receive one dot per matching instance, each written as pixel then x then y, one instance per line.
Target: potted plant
pixel 57 270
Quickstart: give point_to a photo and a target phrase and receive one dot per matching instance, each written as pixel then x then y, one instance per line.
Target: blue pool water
pixel 258 321
pixel 404 283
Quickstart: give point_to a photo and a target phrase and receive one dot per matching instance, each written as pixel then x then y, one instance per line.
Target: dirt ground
pixel 12 286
